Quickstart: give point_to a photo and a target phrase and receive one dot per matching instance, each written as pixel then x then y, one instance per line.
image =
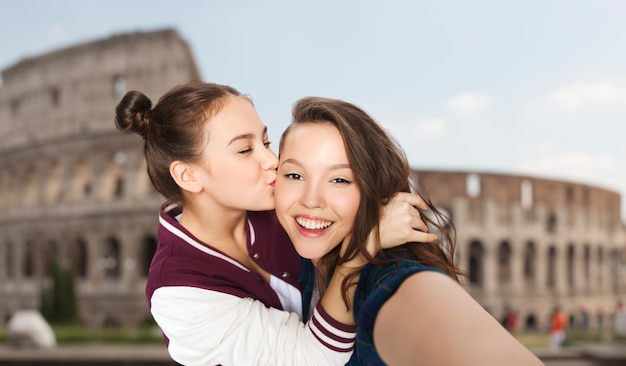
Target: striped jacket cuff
pixel 331 333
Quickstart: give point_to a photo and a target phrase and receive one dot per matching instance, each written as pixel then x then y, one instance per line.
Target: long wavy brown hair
pixel 381 170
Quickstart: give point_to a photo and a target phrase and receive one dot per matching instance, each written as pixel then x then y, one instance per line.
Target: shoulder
pixel 433 284
pixel 435 299
pixel 433 319
pixel 378 284
pixel 391 275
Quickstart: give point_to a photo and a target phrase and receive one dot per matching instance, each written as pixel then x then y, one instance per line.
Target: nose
pixel 269 160
pixel 312 195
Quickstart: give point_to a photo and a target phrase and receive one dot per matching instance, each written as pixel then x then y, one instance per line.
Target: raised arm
pixel 432 320
pixel 400 223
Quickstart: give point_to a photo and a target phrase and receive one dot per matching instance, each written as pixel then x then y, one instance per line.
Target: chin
pixel 309 253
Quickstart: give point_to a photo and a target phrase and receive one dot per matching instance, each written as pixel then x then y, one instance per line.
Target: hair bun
pixel 132 114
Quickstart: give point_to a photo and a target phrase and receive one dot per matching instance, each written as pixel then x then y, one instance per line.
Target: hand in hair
pixel 401 221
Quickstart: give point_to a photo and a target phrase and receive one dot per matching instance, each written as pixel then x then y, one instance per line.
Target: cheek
pixel 284 196
pixel 236 172
pixel 349 205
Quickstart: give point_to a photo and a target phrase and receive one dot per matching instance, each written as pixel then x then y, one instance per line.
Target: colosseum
pixel 73 188
pixel 75 192
pixel 530 244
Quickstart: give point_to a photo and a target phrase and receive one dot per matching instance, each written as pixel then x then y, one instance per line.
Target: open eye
pixel 294 176
pixel 267 144
pixel 341 181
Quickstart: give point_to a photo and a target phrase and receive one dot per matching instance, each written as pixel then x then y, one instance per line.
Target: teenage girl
pixel 337 167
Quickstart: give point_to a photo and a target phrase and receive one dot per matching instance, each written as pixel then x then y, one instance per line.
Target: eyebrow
pixel 246 136
pixel 332 167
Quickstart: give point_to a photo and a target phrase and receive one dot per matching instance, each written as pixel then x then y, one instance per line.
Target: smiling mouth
pixel 313 224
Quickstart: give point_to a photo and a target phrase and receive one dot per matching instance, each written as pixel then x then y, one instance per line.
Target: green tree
pixel 58 301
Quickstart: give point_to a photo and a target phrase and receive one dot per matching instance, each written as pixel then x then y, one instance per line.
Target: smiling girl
pixel 337 169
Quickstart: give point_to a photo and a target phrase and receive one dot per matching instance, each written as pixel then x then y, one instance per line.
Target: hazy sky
pixel 533 87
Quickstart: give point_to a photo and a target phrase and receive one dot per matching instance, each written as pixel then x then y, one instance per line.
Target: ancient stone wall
pixel 532 244
pixel 73 188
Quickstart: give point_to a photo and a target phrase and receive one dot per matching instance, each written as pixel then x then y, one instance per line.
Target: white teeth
pixel 313 224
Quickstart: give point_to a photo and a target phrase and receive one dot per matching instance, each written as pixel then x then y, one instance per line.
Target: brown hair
pixel 381 170
pixel 174 129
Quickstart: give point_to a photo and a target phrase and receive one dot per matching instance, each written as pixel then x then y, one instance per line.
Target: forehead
pixel 303 131
pixel 314 141
pixel 237 116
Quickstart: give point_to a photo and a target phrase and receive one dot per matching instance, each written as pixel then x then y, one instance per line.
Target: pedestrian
pixel 619 320
pixel 558 326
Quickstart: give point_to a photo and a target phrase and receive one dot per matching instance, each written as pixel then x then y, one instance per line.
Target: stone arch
pixel 82 179
pixel 28 261
pixel 601 269
pixel 571 266
pixel 49 257
pixel 144 186
pixel 587 265
pixel 551 223
pixel 149 248
pixel 13 190
pixel 551 267
pixel 79 258
pixel 53 186
pixel 530 261
pixel 504 263
pixel 531 322
pixel 476 262
pixel 55 96
pixel 111 258
pixel 30 186
pixel 614 270
pixel 9 261
pixel 113 180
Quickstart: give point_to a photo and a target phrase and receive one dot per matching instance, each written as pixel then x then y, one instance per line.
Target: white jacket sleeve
pixel 210 328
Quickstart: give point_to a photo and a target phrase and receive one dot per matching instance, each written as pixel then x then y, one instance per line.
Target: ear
pixel 184 174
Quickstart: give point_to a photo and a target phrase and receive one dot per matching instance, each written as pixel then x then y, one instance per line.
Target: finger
pixel 413 199
pixel 422 237
pixel 420 225
pixel 415 213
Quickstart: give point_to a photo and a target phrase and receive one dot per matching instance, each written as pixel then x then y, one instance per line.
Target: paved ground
pixel 591 354
pixel 87 355
pixel 586 354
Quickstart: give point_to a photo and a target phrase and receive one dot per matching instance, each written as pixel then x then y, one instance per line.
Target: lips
pixel 311 227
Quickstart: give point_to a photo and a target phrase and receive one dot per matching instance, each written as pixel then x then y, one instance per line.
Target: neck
pixel 217 226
